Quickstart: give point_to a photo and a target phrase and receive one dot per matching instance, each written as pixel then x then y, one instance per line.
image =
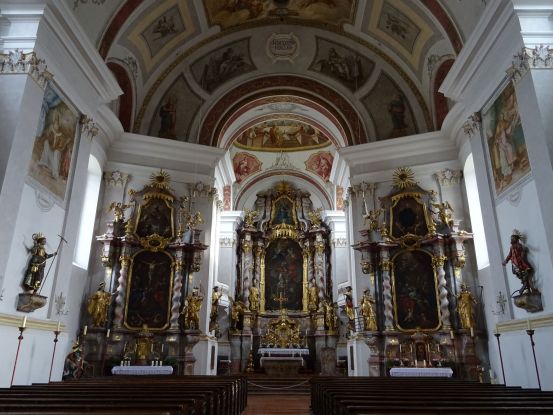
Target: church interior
pixel 276 188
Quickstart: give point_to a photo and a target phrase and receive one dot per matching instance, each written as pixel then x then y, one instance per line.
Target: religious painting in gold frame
pixel 415 291
pixel 408 215
pixel 149 291
pixel 155 217
pixel 283 212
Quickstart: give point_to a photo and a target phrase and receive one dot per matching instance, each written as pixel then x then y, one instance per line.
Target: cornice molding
pixel 389 154
pixel 522 324
pixel 10 320
pixel 146 151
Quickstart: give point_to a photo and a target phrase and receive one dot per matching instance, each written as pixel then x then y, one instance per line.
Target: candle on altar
pixel 59 326
pixel 529 326
pixel 108 333
pixel 452 335
pixel 162 348
pixel 24 322
pixel 471 332
pixel 438 347
pixel 85 330
pixel 400 350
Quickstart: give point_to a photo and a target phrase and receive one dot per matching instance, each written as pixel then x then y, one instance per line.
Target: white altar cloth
pixel 442 372
pixel 268 351
pixel 142 370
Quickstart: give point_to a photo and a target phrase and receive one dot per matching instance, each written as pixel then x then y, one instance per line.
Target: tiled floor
pixel 277 405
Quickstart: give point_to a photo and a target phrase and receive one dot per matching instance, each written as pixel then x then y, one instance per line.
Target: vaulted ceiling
pixel 261 76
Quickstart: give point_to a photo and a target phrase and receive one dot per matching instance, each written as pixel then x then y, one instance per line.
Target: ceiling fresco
pixel 227 13
pixel 282 135
pixel 193 66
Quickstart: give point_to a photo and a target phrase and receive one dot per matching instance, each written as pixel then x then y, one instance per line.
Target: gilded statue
pixel 118 211
pixel 214 313
pixel 35 270
pixel 367 304
pixel 444 213
pixel 329 309
pixel 465 302
pixel 348 306
pixel 236 312
pixel 313 296
pixel 254 297
pixel 249 217
pixel 315 218
pixel 98 305
pixel 371 219
pixel 519 263
pixel 144 343
pixel 190 314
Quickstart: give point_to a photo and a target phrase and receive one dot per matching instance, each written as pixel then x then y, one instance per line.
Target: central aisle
pixel 277 405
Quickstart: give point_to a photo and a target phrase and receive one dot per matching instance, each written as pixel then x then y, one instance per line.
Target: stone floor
pixel 277 405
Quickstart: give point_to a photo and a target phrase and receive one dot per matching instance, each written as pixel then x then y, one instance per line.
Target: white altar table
pixel 142 370
pixel 443 372
pixel 265 360
pixel 275 351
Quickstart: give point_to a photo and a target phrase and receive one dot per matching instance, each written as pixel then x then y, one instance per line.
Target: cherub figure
pixel 249 217
pixel 444 213
pixel 371 218
pixel 315 217
pixel 118 211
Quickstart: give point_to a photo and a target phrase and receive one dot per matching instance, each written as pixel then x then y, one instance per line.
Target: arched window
pixel 471 187
pixel 88 214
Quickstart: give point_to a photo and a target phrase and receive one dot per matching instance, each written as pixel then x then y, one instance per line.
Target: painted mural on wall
pixel 163 30
pixel 284 274
pixel 175 113
pixel 227 13
pixel 149 290
pixel 282 135
pixel 245 165
pixel 321 164
pixel 389 110
pixel 506 142
pixel 223 64
pixel 51 161
pixel 343 64
pixel 415 292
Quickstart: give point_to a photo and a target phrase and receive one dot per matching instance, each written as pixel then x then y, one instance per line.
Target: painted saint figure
pixel 35 270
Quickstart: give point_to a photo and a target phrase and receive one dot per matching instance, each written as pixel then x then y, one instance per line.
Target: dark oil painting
pixel 149 292
pixel 155 218
pixel 283 212
pixel 415 292
pixel 408 217
pixel 284 274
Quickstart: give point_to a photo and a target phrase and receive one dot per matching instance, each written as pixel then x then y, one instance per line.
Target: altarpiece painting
pixel 149 290
pixel 284 274
pixel 415 291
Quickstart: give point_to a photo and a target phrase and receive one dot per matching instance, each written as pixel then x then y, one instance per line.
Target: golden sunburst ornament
pixel 160 179
pixel 404 178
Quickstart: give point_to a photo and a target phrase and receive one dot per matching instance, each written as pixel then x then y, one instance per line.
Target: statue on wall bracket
pixel 528 296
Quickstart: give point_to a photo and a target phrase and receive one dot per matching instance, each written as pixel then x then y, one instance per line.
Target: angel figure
pixel 118 211
pixel 372 219
pixel 444 213
pixel 193 220
pixel 249 217
pixel 315 218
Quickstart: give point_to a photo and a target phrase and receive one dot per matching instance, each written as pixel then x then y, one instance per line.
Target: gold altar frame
pixel 436 293
pixel 170 296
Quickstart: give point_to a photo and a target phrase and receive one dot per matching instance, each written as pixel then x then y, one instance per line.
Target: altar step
pixel 264 385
